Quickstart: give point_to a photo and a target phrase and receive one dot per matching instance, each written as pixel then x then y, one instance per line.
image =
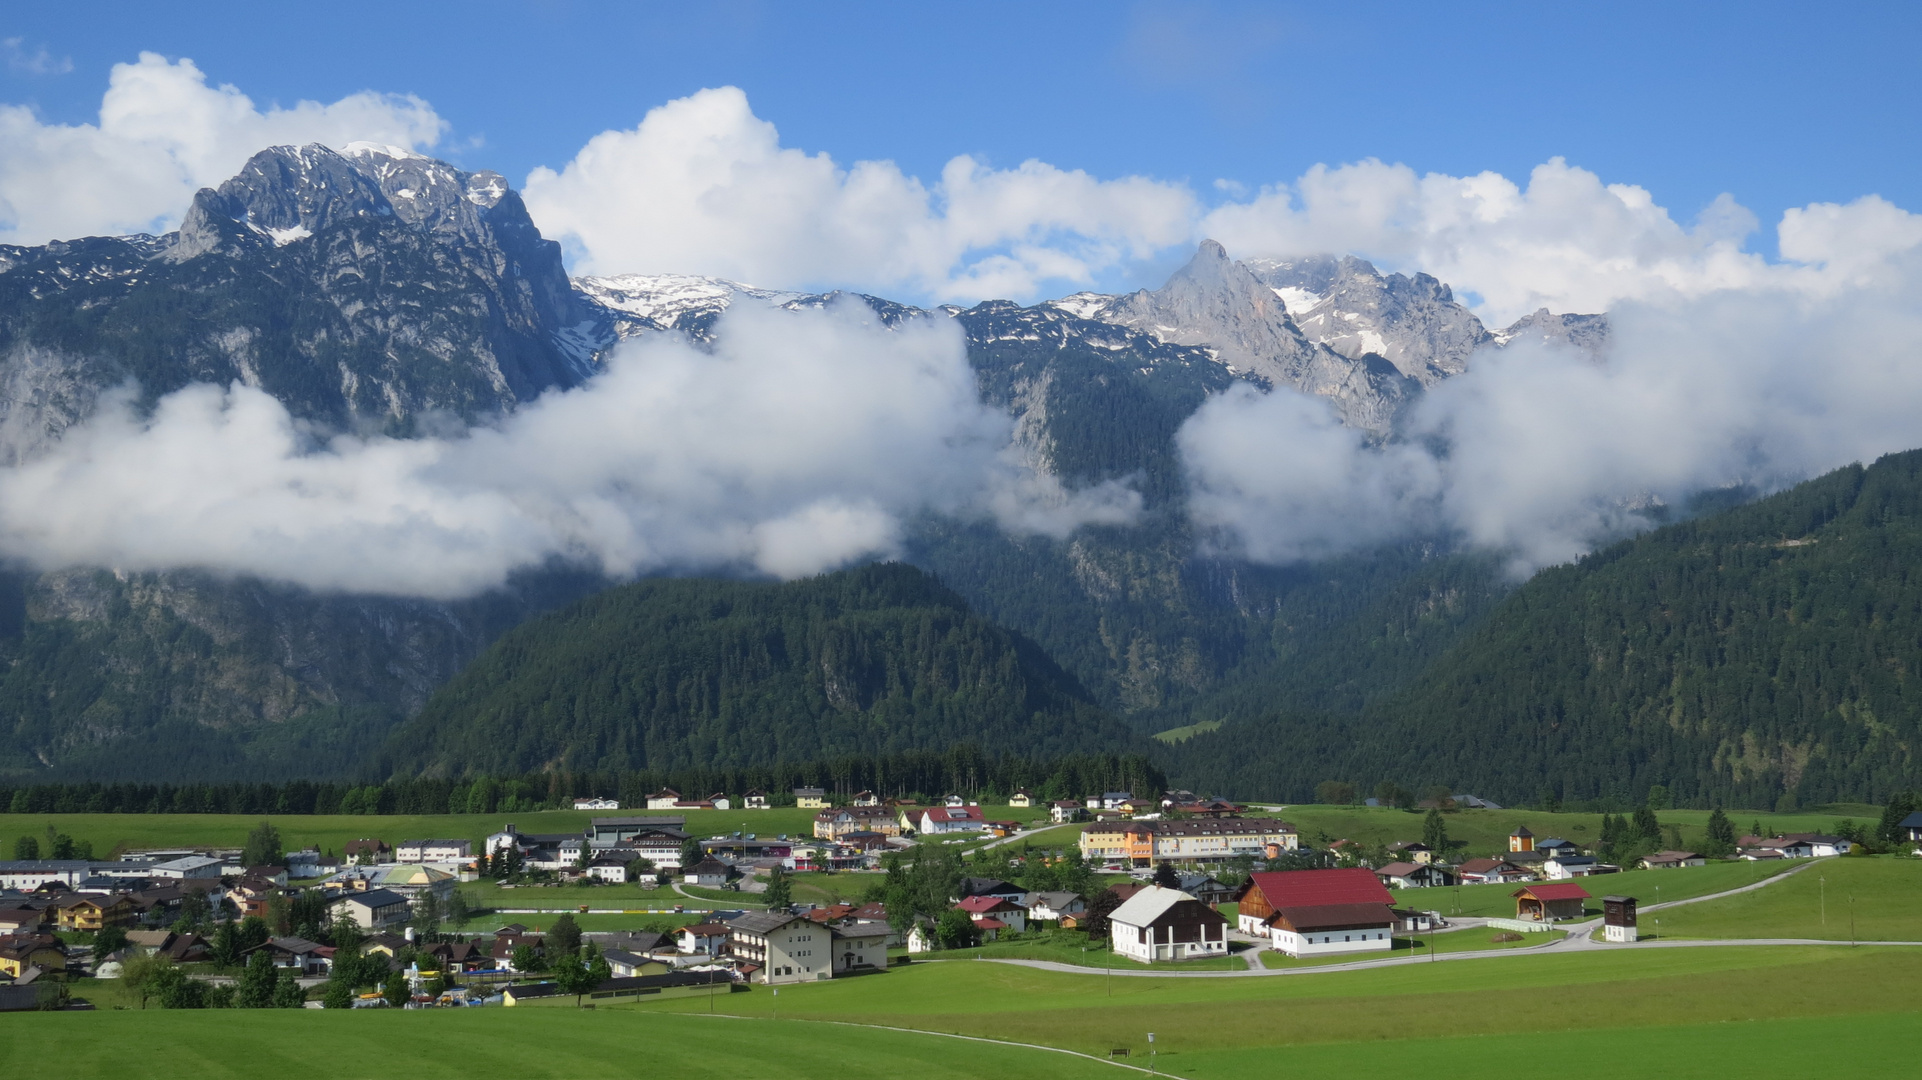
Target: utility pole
pixel 1822 885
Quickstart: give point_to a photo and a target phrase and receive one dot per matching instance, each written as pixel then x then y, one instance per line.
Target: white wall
pixel 1327 942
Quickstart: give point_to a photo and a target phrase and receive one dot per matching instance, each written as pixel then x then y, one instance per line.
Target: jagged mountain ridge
pixel 375 289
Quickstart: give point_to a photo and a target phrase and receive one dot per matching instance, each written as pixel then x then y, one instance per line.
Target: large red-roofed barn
pixel 1312 912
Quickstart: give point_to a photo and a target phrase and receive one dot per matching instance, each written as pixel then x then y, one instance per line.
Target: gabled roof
pixel 763 922
pixel 978 904
pixel 1913 821
pixel 1151 903
pixel 953 813
pixel 1483 866
pixel 375 898
pixel 1399 869
pixel 1308 888
pixel 1521 831
pixel 1553 891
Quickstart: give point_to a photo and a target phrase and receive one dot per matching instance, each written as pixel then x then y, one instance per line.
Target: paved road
pixel 1576 941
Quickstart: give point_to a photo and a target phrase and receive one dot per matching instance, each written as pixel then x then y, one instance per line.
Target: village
pixel 1165 880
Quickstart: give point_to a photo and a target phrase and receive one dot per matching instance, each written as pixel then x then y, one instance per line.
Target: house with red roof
pixel 1550 902
pixel 982 909
pixel 1317 912
pixel 951 819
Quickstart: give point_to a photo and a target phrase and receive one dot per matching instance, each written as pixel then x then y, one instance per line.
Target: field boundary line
pixel 946 1035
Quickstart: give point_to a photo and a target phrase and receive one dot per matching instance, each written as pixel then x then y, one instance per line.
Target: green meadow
pixel 1498 901
pixel 1878 899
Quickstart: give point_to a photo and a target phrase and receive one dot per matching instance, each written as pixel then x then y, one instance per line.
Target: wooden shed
pixel 1618 918
pixel 1551 902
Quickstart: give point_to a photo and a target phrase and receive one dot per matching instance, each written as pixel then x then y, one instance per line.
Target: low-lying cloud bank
pixel 798 445
pixel 802 444
pixel 1543 452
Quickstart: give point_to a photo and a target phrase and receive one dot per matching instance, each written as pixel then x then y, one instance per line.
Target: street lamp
pixel 1151 1053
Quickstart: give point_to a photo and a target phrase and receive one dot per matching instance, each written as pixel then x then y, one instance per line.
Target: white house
pixel 664 799
pixel 1022 798
pixel 597 804
pixel 1166 924
pixel 1062 811
pixel 710 872
pixel 951 819
pixel 433 851
pixel 755 799
pixel 1053 906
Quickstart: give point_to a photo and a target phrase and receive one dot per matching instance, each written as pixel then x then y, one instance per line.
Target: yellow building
pixel 1144 843
pixel 21 954
pixel 811 798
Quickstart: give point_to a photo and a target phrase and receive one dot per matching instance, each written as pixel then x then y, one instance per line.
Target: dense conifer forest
pixel 678 674
pixel 1767 655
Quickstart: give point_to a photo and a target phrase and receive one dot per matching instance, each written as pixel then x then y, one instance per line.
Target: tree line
pixel 919 774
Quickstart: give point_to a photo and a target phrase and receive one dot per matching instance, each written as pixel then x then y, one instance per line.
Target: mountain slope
pixel 1770 653
pixel 669 674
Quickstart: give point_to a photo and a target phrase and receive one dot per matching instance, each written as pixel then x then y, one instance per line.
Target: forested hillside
pixel 671 674
pixel 1767 654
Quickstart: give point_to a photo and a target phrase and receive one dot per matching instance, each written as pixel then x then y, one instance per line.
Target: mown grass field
pixel 562 1043
pixel 1498 901
pixel 331 831
pixel 1886 895
pixel 1486 831
pixel 1523 995
pixel 1685 1012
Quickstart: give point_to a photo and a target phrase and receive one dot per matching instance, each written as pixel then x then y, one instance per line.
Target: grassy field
pixel 566 1043
pixel 1816 903
pixel 1753 1012
pixel 331 831
pixel 1497 901
pixel 1513 995
pixel 1486 831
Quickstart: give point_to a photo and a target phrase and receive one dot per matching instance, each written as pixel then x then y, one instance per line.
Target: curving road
pixel 1577 941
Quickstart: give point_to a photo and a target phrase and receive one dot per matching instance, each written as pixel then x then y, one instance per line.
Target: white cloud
pixel 1566 241
pixel 1543 452
pixel 704 186
pixel 162 134
pixel 796 446
pixel 36 61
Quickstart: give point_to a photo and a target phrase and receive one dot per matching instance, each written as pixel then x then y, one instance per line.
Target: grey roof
pixel 860 930
pixel 1913 821
pixel 375 898
pixel 1053 900
pixel 763 922
pixel 673 821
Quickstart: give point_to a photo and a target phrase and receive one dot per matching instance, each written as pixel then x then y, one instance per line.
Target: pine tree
pixel 780 891
pixel 1165 875
pixel 263 846
pixel 1721 834
pixel 255 987
pixel 225 950
pixel 1434 833
pixel 564 937
pixel 1647 828
pixel 396 991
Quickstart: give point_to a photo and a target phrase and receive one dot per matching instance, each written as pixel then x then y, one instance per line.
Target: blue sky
pixel 1780 104
pixel 1767 102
